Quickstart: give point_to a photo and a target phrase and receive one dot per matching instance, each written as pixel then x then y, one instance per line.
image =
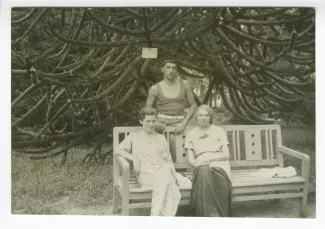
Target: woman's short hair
pixel 171 61
pixel 206 108
pixel 147 111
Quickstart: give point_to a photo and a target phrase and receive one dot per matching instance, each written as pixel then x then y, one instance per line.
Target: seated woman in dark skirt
pixel 208 152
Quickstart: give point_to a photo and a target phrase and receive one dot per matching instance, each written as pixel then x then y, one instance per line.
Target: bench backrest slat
pixel 271 144
pixel 249 145
pixel 237 143
pixel 253 148
pixel 234 145
pixel 267 143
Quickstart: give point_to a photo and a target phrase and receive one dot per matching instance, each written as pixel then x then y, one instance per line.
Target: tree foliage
pixel 77 72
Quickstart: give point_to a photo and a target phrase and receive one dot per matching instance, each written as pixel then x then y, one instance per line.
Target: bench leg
pixel 115 200
pixel 303 203
pixel 125 206
pixel 125 202
pixel 276 201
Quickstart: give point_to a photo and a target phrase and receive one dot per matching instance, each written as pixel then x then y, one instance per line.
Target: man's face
pixel 170 71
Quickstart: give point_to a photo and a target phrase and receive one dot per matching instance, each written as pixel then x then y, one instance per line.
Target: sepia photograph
pixel 188 111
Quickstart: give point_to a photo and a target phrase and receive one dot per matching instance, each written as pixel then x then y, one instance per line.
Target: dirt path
pixel 251 209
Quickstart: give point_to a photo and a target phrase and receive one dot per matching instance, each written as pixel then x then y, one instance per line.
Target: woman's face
pixel 149 123
pixel 203 118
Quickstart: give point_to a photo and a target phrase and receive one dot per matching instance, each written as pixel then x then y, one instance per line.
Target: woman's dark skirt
pixel 211 192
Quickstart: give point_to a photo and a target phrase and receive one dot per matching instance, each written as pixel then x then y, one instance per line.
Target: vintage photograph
pixel 163 111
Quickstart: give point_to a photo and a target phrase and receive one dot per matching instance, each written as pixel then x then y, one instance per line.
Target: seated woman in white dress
pixel 207 148
pixel 153 164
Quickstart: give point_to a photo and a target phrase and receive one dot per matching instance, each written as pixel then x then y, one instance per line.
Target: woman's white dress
pixel 156 170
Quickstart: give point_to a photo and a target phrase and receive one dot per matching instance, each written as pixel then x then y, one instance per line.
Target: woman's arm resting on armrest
pixel 125 155
pixel 190 156
pixel 136 163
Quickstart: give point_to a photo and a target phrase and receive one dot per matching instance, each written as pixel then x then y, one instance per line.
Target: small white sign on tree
pixel 150 53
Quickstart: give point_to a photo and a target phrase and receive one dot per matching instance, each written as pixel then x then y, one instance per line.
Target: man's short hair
pixel 171 61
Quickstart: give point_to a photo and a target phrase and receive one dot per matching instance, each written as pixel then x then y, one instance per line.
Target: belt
pixel 170 117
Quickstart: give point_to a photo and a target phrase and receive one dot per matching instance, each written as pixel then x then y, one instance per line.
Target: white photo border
pixel 7 220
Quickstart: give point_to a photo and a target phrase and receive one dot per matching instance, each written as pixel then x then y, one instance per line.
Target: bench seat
pixel 239 178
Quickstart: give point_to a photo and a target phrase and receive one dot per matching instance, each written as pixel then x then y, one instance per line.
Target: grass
pixel 302 139
pixel 39 187
pixel 47 187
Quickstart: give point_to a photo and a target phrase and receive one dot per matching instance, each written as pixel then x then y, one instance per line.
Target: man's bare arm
pixel 191 101
pixel 152 95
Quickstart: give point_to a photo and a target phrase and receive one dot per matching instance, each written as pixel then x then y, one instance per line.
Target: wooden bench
pixel 251 147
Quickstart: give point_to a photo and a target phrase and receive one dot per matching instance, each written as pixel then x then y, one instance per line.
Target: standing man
pixel 171 96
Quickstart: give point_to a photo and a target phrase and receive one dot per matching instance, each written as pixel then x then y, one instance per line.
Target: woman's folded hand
pixel 199 162
pixel 136 165
pixel 165 156
pixel 222 158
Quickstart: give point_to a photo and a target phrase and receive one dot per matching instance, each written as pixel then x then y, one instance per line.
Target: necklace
pixel 203 132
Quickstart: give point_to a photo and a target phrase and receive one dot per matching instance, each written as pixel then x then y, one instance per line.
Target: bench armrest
pixel 303 157
pixel 124 167
pixel 293 153
pixel 123 163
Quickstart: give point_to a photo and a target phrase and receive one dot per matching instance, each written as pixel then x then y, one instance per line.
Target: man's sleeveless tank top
pixel 171 106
